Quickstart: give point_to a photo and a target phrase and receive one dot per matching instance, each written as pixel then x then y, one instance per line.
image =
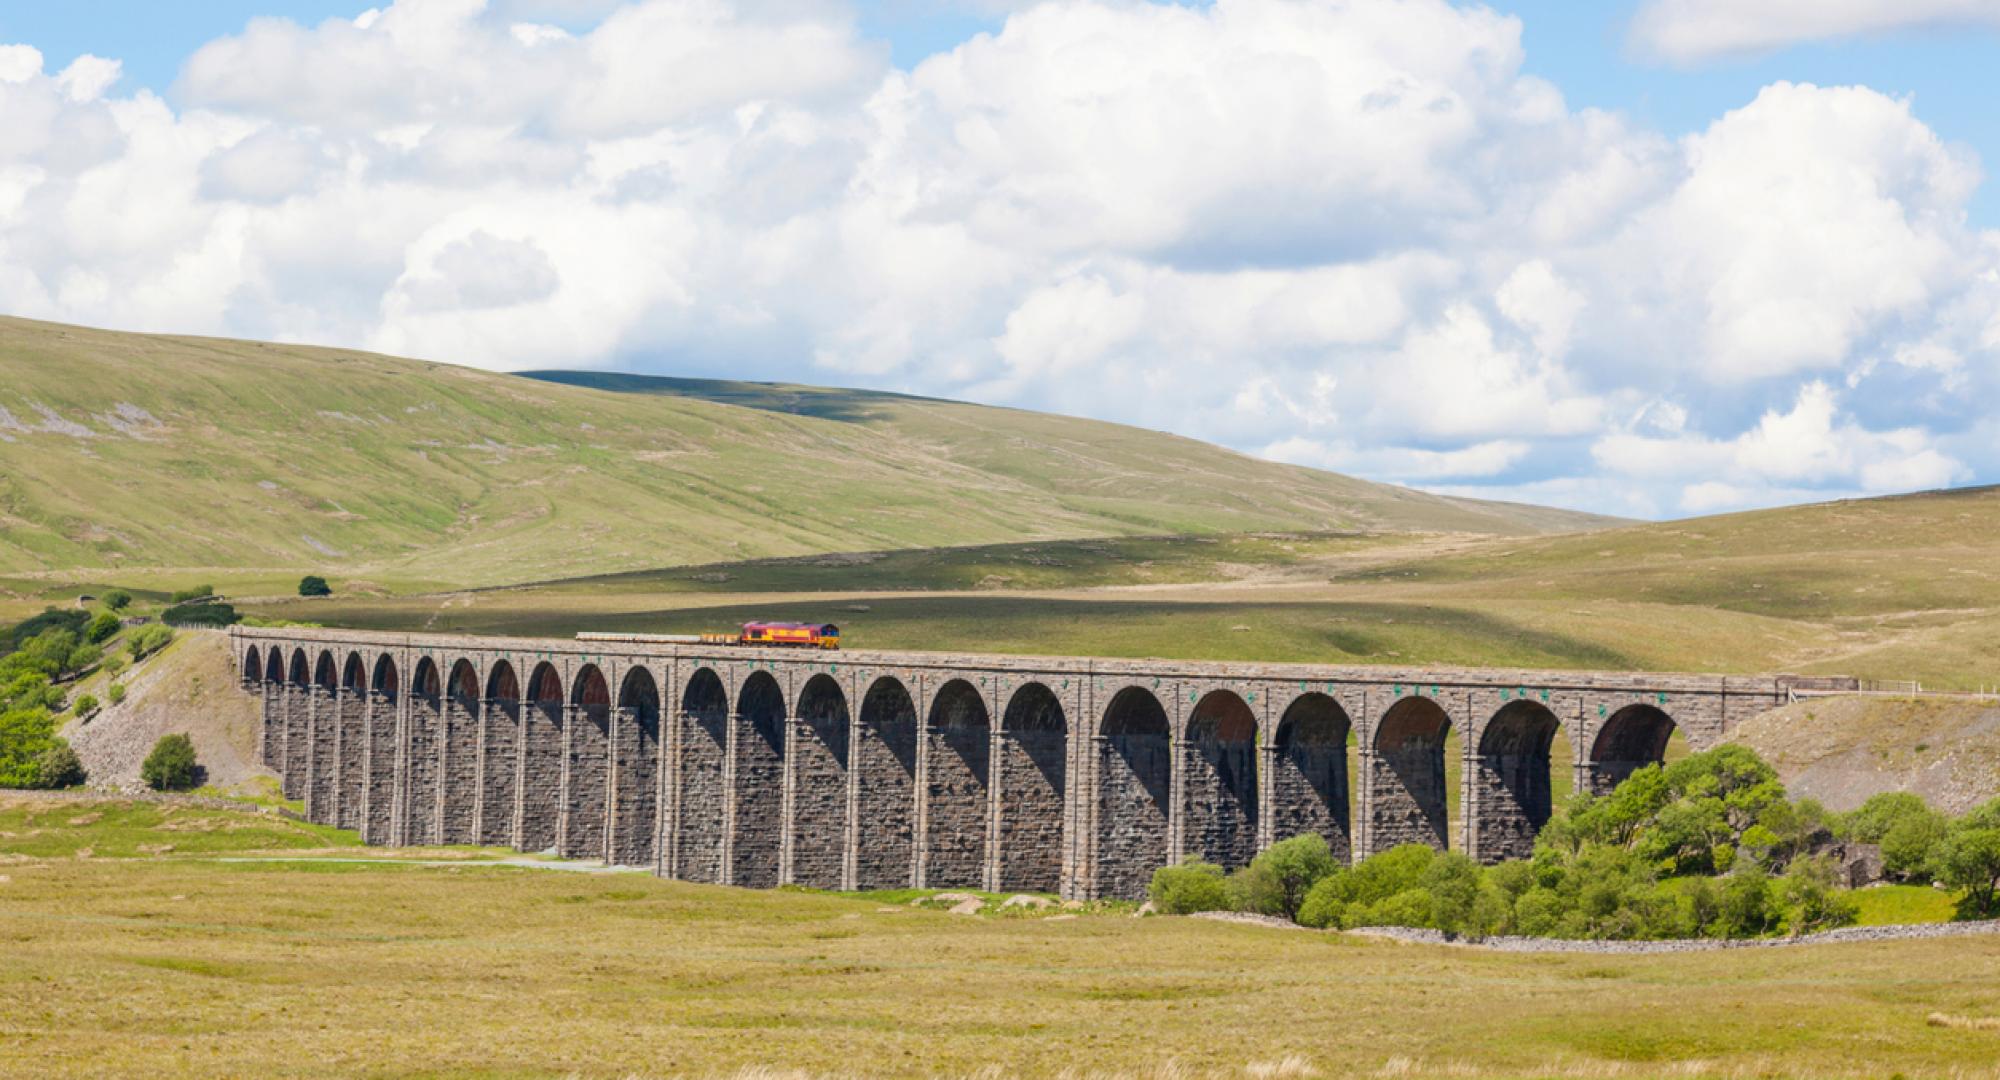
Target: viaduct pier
pixel 861 770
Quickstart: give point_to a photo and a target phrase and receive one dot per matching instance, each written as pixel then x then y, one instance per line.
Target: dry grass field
pixel 256 948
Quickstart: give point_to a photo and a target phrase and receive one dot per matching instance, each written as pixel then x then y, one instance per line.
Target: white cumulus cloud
pixel 1692 30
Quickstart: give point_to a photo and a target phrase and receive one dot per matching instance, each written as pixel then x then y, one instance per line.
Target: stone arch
pixel 885 763
pixel 386 681
pixel 586 766
pixel 1408 801
pixel 1631 739
pixel 274 665
pixel 757 825
pixel 301 673
pixel 959 735
pixel 420 763
pixel 819 799
pixel 1135 789
pixel 322 788
pixel 326 672
pixel 351 778
pixel 458 755
pixel 1033 776
pixel 253 665
pixel 499 754
pixel 635 772
pixel 1309 781
pixel 385 686
pixel 538 779
pixel 1510 781
pixel 704 746
pixel 1219 780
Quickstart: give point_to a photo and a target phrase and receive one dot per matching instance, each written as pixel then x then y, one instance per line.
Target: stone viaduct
pixel 858 770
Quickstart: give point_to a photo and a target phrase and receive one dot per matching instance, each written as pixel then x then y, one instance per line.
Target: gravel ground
pixel 189 688
pixel 1552 945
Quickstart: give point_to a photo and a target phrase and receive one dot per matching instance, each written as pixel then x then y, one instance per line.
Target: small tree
pixel 171 766
pixel 116 693
pixel 1969 859
pixel 314 585
pixel 118 599
pixel 86 706
pixel 147 640
pixel 101 628
pixel 1190 887
pixel 1286 871
pixel 59 767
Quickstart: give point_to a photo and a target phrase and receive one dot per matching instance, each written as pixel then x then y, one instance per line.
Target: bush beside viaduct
pixel 862 770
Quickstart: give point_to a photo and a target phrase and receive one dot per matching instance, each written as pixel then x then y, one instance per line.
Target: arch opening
pixel 819 808
pixel 1408 797
pixel 635 776
pixel 960 738
pixel 1511 780
pixel 704 744
pixel 1134 793
pixel 300 673
pixel 423 783
pixel 1309 781
pixel 274 665
pixel 1032 777
pixel 757 826
pixel 538 774
pixel 253 665
pixel 499 755
pixel 351 756
pixel 885 760
pixel 458 756
pixel 586 776
pixel 1219 781
pixel 1631 739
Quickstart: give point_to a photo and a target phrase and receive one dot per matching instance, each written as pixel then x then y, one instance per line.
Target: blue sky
pixel 1749 256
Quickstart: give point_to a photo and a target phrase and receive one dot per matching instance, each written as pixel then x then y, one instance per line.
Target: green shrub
pixel 1277 880
pixel 314 585
pixel 69 619
pixel 199 592
pixel 85 707
pixel 147 640
pixel 1969 859
pixel 1871 822
pixel 171 766
pixel 101 628
pixel 1190 887
pixel 118 599
pixel 1812 901
pixel 1348 898
pixel 59 767
pixel 1746 907
pixel 1910 844
pixel 115 693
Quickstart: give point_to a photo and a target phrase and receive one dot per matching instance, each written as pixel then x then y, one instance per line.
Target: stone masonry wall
pixel 1220 785
pixel 957 773
pixel 586 772
pixel 635 812
pixel 538 784
pixel 1033 780
pixel 499 768
pixel 885 764
pixel 379 766
pixel 458 771
pixel 819 801
pixel 1309 793
pixel 420 768
pixel 704 741
pixel 756 821
pixel 1137 771
pixel 353 757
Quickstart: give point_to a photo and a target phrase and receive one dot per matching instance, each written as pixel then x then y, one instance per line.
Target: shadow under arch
pixel 1135 789
pixel 757 821
pixel 1309 781
pixel 1219 781
pixel 1631 739
pixel 1511 780
pixel 1408 798
pixel 1033 783
pixel 819 807
pixel 703 719
pixel 959 735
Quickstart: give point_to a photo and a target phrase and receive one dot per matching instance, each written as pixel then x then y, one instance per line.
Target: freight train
pixel 762 635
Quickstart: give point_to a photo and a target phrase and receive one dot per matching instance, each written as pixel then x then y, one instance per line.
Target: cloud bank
pixel 1352 235
pixel 1690 31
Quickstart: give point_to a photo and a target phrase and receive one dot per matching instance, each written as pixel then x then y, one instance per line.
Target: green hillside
pixel 126 452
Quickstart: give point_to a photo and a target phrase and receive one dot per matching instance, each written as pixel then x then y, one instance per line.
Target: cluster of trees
pixel 1922 846
pixel 31 694
pixel 1707 847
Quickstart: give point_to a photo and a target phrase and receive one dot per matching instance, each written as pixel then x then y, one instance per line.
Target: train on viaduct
pixel 860 770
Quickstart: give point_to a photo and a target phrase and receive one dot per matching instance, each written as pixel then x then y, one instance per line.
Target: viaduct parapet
pixel 861 770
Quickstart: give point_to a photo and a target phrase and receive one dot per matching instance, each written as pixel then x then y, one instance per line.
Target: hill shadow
pixel 823 403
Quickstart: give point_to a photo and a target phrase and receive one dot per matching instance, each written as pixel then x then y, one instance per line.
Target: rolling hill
pixel 138 454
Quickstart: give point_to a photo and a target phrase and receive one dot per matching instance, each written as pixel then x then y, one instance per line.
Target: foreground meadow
pixel 193 942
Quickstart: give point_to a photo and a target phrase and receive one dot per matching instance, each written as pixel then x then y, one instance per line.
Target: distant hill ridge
pixel 133 450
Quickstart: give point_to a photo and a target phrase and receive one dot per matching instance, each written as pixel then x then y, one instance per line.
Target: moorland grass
pixel 185 965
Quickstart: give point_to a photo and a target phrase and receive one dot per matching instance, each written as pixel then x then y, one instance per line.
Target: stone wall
pixel 1100 771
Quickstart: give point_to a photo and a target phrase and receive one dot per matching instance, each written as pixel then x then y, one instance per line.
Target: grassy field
pixel 213 959
pixel 165 461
